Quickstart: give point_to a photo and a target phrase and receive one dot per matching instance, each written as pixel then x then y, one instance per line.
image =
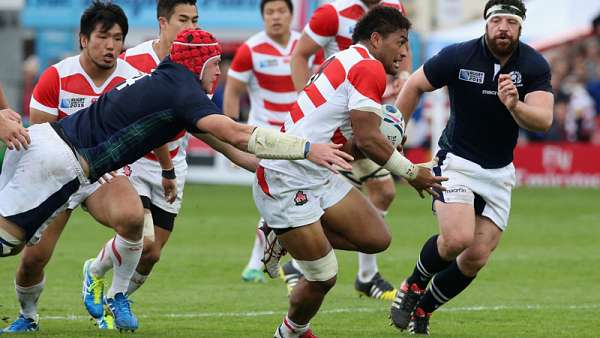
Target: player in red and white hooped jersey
pixel 63 89
pixel 261 67
pixel 158 177
pixel 342 102
pixel 330 28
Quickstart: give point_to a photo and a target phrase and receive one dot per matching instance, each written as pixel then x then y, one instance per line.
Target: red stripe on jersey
pixel 265 48
pixel 335 73
pixel 343 43
pixel 275 83
pixel 362 52
pixel 314 95
pixel 262 181
pixel 354 12
pixel 77 83
pixel 278 107
pixel 296 112
pixel 46 91
pixel 276 123
pixel 368 78
pixel 338 137
pixel 142 62
pixel 324 21
pixel 242 61
pixel 153 157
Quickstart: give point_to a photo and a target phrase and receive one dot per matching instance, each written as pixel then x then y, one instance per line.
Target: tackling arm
pixel 413 89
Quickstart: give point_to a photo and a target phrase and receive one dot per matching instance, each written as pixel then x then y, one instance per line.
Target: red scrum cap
pixel 192 48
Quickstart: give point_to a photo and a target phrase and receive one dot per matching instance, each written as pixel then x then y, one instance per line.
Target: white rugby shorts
pixel 286 201
pixel 146 178
pixel 488 190
pixel 36 183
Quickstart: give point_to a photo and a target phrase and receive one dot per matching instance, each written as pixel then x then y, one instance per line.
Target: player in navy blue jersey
pixel 496 84
pixel 126 123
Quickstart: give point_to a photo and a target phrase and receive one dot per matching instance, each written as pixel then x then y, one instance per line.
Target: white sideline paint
pixel 342 310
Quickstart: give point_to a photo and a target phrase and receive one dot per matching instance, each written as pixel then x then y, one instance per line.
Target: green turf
pixel 542 281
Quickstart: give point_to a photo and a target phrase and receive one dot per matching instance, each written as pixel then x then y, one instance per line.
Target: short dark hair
pixel 381 19
pixel 165 8
pixel 105 13
pixel 287 2
pixel 517 3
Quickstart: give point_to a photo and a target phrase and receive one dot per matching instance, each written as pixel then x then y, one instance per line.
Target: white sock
pixel 125 256
pixel 289 329
pixel 135 282
pixel 367 267
pixel 257 252
pixel 103 262
pixel 28 297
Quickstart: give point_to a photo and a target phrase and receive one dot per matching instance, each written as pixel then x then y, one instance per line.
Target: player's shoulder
pixel 257 39
pixel 139 49
pixel 532 59
pixel 68 66
pixel 124 69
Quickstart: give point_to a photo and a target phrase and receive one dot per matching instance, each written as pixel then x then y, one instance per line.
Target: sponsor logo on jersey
pixel 74 102
pixel 300 198
pixel 471 76
pixel 267 63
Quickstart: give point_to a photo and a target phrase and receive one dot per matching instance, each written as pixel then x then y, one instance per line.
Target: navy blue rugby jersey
pixel 137 116
pixel 480 127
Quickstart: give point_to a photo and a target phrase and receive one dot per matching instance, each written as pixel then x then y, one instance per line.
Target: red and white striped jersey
pixel 264 66
pixel 144 58
pixel 351 80
pixel 331 26
pixel 64 88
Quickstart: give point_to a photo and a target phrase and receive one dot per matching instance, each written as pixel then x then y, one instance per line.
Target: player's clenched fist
pixel 507 91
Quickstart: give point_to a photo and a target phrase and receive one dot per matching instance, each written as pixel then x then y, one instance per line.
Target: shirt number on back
pixel 131 81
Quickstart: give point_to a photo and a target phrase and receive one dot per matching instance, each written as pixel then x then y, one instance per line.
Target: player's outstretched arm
pixel 271 144
pixel 411 92
pixel 243 159
pixel 12 132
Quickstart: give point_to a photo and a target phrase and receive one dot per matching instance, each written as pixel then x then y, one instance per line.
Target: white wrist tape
pixel 401 166
pixel 271 144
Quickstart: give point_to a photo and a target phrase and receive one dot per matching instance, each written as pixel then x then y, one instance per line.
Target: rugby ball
pixel 392 124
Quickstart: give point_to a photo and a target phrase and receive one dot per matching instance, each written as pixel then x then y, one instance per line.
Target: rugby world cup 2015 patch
pixel 471 76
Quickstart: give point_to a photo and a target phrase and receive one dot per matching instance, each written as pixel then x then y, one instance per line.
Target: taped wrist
pixel 401 166
pixel 271 144
pixel 169 174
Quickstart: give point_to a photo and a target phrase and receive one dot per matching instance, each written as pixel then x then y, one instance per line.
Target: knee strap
pixel 320 270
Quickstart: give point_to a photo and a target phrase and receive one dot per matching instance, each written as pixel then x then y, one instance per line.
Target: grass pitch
pixel 542 281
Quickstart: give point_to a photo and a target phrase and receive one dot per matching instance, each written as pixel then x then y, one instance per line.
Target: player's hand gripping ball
pixel 392 125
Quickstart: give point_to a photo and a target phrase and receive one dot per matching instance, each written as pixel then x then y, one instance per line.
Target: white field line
pixel 342 310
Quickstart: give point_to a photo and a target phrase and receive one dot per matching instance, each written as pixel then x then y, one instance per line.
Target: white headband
pixel 505 10
pixel 195 44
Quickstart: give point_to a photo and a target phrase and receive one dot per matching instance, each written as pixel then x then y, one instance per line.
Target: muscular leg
pixel 118 205
pixel 29 279
pixel 150 256
pixel 354 224
pixel 381 192
pixel 455 278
